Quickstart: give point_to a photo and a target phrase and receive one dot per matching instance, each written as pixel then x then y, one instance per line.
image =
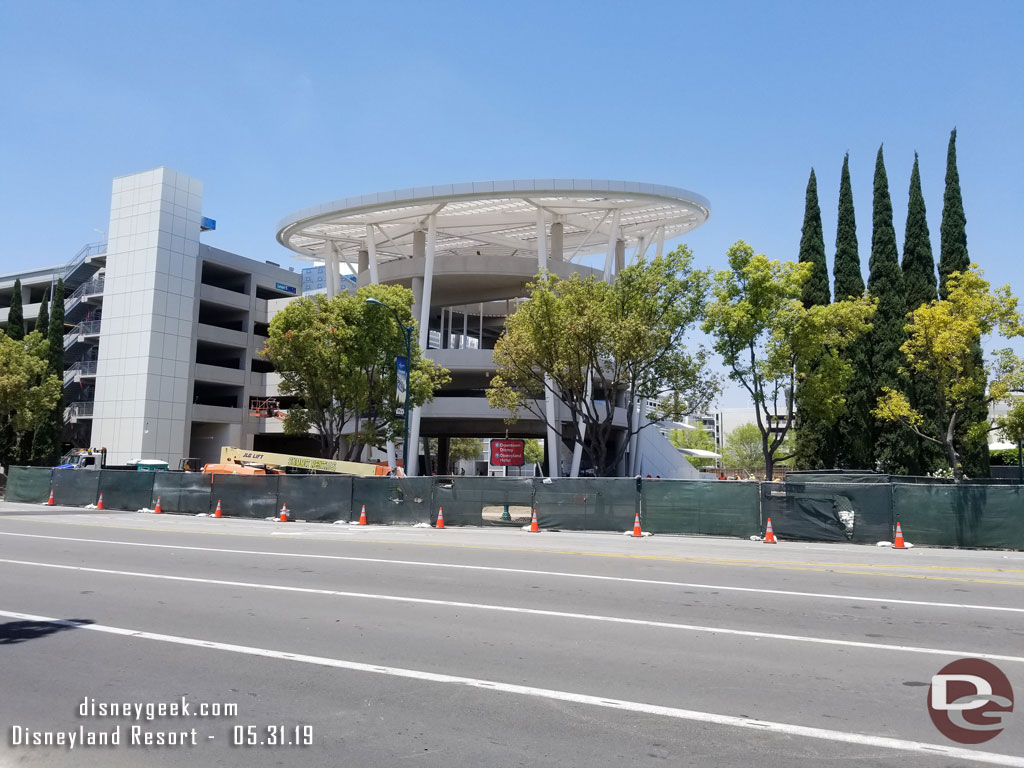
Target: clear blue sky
pixel 279 106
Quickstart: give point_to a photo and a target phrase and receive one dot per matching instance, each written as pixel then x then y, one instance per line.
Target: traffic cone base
pixel 636 526
pixel 898 542
pixel 99 504
pixel 534 528
pixel 50 502
pixel 440 518
pixel 769 534
pixel 362 515
pixel 158 510
pixel 217 512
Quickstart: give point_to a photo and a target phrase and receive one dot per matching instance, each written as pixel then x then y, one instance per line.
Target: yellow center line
pixel 789 565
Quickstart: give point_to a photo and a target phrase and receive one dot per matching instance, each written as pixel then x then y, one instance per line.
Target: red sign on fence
pixel 507 453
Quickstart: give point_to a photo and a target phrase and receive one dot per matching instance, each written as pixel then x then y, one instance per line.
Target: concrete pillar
pixel 577 449
pixel 556 241
pixel 613 238
pixel 364 261
pixel 332 266
pixel 426 287
pixel 371 247
pixel 542 242
pixel 620 256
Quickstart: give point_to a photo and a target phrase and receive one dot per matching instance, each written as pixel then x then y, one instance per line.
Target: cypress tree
pixel 893 447
pixel 852 432
pixel 813 444
pixel 46 440
pixel 920 287
pixel 953 257
pixel 849 281
pixel 43 318
pixel 953 231
pixel 812 249
pixel 15 315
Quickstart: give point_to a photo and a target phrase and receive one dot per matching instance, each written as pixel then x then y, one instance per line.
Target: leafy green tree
pixel 28 392
pixel 533 452
pixel 851 433
pixel 699 439
pixel 942 337
pixel 46 439
pixel 628 337
pixel 894 445
pixel 814 446
pixel 463 449
pixel 743 449
pixel 920 287
pixel 953 257
pixel 769 341
pixel 337 356
pixel 15 315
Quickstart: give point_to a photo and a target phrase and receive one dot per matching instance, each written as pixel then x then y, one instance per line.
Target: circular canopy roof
pixel 496 218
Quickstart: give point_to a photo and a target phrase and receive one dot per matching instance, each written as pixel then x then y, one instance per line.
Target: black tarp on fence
pixel 28 485
pixel 185 492
pixel 392 500
pixel 706 507
pixel 484 500
pixel 595 504
pixel 76 487
pixel 126 489
pixel 316 497
pixel 245 495
pixel 990 516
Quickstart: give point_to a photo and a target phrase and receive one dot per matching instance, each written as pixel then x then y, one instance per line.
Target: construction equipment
pixel 276 463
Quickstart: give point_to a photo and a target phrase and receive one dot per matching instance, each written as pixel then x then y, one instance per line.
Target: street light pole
pixel 407 329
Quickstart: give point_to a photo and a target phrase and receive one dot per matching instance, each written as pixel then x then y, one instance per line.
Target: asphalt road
pixel 470 647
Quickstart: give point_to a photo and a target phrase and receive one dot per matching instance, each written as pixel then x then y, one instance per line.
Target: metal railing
pixel 88 288
pixel 92 249
pixel 84 328
pixel 80 410
pixel 79 369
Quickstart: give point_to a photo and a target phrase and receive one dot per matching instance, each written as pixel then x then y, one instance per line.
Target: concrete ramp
pixel 658 457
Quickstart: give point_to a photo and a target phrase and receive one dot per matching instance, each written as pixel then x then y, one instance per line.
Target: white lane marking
pixel 789 729
pixel 528 611
pixel 529 572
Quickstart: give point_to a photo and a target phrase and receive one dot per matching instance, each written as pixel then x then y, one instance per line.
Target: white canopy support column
pixel 332 266
pixel 634 440
pixel 542 241
pixel 557 238
pixel 552 434
pixel 613 239
pixel 661 240
pixel 371 249
pixel 641 422
pixel 577 449
pixel 428 284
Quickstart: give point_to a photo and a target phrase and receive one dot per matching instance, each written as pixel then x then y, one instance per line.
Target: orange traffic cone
pixel 899 543
pixel 158 510
pixel 50 502
pixel 99 504
pixel 534 528
pixel 362 515
pixel 636 526
pixel 769 534
pixel 440 518
pixel 217 512
pixel 284 513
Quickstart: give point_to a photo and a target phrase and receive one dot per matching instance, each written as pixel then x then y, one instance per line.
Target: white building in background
pixel 467 252
pixel 162 330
